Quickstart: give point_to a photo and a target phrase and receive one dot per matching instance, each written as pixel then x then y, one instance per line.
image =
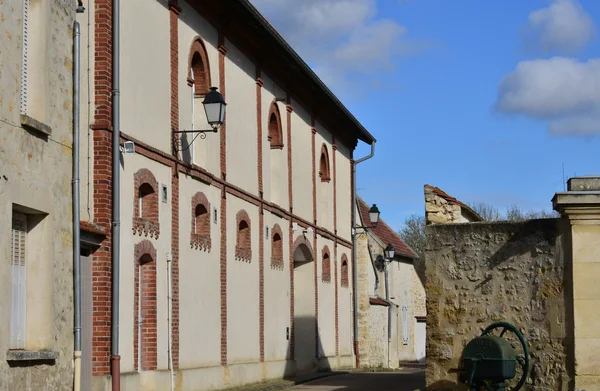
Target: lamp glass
pixel 214 106
pixel 389 252
pixel 374 215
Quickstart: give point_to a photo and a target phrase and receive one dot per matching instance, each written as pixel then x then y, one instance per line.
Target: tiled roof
pixel 384 232
pixel 378 301
pixel 453 201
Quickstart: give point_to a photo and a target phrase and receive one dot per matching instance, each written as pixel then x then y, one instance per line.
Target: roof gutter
pixel 366 136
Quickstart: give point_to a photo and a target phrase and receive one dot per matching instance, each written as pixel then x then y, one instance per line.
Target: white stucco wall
pixel 162 245
pixel 242 289
pixel 145 81
pixel 277 295
pixel 326 298
pixel 345 307
pixel 199 283
pixel 242 148
pixel 324 189
pixel 206 152
pixel 378 336
pixel 343 192
pixel 275 173
pixel 301 162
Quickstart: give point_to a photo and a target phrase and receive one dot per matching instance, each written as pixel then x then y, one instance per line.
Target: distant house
pixel 441 208
pixel 391 312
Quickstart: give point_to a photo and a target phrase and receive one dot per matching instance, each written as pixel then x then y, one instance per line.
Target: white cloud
pixel 342 40
pixel 562 27
pixel 564 91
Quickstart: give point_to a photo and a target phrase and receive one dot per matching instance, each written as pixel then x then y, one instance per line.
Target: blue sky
pixel 485 99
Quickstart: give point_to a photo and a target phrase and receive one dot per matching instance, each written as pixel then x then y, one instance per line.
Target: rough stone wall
pixel 439 211
pixel 35 166
pixel 378 336
pixel 479 273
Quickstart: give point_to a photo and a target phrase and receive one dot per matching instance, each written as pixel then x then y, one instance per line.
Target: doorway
pixel 304 310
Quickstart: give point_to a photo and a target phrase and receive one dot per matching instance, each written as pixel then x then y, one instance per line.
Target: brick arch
pixel 199 66
pixel 243 245
pixel 277 248
pixel 200 232
pixel 326 265
pixel 275 128
pixel 302 241
pixel 145 204
pixel 344 271
pixel 145 302
pixel 324 167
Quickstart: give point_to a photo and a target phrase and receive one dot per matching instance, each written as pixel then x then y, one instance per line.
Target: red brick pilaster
pixel 316 282
pixel 102 181
pixel 334 149
pixel 145 302
pixel 335 267
pixel 174 48
pixel 261 218
pixel 291 344
pixel 223 160
pixel 289 110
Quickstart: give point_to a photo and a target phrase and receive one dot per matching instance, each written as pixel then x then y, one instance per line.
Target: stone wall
pixel 441 208
pixel 378 336
pixel 479 273
pixel 35 180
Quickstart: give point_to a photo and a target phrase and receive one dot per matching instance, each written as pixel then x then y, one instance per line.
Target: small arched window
pixel 199 70
pixel 145 304
pixel 200 234
pixel 243 247
pixel 145 205
pixel 344 271
pixel 275 130
pixel 324 171
pixel 276 248
pixel 326 272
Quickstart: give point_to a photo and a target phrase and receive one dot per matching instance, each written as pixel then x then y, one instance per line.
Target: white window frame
pixel 24 60
pixel 404 325
pixel 18 310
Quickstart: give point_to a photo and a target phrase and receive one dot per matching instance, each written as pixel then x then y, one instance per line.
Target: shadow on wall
pixel 306 346
pixel 446 385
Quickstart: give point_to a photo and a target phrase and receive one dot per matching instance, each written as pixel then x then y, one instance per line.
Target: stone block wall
pixel 479 273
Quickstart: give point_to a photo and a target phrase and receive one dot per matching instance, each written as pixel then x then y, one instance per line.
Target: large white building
pixel 236 248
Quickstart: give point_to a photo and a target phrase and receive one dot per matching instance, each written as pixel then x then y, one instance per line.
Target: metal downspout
pixel 76 217
pixel 354 271
pixel 387 297
pixel 116 206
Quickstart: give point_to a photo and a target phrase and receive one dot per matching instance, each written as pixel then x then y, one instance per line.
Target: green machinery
pixel 489 361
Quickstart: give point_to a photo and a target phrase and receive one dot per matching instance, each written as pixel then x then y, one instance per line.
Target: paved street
pixel 408 380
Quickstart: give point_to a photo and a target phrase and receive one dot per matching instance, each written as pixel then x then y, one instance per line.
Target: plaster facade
pixel 242 310
pixel 36 313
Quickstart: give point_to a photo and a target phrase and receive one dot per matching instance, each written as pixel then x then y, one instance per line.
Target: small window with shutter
pixel 18 281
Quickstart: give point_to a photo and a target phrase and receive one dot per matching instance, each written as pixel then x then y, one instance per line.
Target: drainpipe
pixel 354 271
pixel 170 316
pixel 387 297
pixel 116 206
pixel 76 217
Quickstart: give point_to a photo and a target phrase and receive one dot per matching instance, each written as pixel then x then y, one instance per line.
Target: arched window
pixel 276 248
pixel 199 69
pixel 145 205
pixel 200 234
pixel 344 271
pixel 145 304
pixel 243 246
pixel 326 266
pixel 275 130
pixel 324 171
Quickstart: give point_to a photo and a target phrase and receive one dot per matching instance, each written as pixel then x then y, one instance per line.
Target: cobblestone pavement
pixel 406 380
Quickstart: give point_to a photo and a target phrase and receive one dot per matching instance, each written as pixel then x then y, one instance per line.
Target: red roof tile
pixel 384 232
pixel 378 301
